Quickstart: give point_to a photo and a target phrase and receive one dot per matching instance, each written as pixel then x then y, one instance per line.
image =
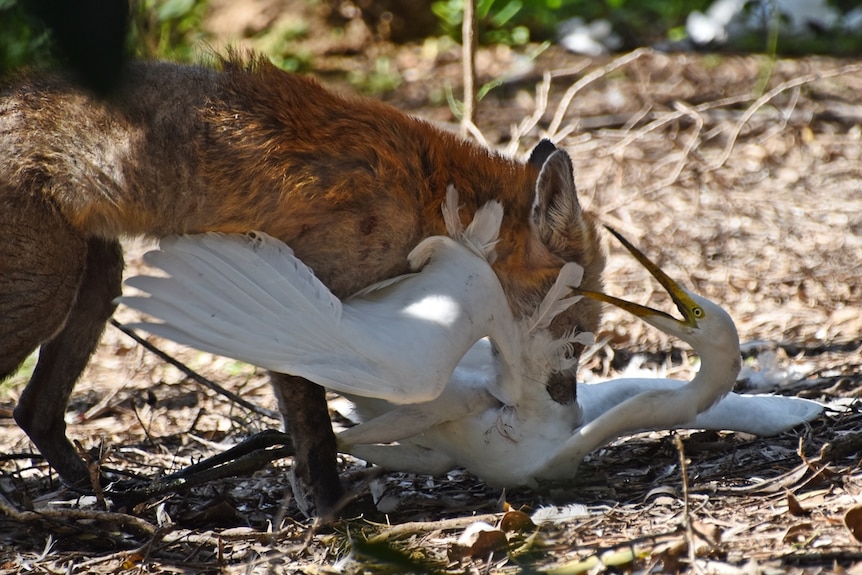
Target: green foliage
pixel 159 29
pixel 498 20
pixel 24 41
pixel 280 44
pixel 637 22
pixel 384 78
pixel 167 29
pixel 517 21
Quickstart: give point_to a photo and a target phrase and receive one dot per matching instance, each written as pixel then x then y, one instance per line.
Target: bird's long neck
pixel 715 378
pixel 666 408
pixel 655 409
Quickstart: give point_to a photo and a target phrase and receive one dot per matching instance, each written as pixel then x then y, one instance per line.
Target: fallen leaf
pixel 488 542
pixel 853 521
pixel 517 521
pixel 798 533
pixel 617 559
pixel 794 507
pixel 478 541
pixel 133 561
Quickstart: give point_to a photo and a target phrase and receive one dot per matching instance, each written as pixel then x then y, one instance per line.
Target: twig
pixel 563 107
pixel 689 530
pixel 666 118
pixel 468 55
pixel 195 375
pixel 681 110
pixel 422 526
pixel 543 89
pixel 77 515
pixel 689 146
pixel 474 131
pixel 763 100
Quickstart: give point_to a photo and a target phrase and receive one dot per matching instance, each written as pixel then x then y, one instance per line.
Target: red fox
pixel 350 184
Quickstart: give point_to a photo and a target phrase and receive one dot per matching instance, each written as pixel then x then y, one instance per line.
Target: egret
pixel 539 439
pixel 514 438
pixel 625 406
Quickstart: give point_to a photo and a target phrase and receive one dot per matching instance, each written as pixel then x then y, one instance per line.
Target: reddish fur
pixel 351 185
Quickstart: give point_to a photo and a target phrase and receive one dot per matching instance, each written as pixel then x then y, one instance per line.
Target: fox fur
pixel 352 185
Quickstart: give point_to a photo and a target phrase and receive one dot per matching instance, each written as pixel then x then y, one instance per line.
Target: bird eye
pixel 697 312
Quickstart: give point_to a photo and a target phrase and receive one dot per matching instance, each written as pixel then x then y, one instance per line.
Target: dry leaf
pixel 797 533
pixel 488 542
pixel 516 521
pixel 794 507
pixel 618 558
pixel 478 541
pixel 853 521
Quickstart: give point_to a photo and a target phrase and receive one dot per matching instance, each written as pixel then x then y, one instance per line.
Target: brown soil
pixel 741 176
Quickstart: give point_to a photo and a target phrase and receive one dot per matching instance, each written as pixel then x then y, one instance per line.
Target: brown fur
pixel 351 185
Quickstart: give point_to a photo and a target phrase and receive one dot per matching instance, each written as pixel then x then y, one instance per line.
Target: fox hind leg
pixel 56 290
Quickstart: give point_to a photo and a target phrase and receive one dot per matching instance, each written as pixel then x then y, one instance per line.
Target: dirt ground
pixel 741 176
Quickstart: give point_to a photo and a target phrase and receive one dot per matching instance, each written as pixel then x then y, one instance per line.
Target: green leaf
pixel 174 9
pixel 508 12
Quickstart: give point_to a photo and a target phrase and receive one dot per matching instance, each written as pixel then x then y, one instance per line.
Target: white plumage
pixel 538 439
pixel 430 390
pixel 248 297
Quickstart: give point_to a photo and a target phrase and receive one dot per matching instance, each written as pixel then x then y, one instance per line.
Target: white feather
pixel 248 297
pixel 481 235
pixel 454 227
pixel 555 302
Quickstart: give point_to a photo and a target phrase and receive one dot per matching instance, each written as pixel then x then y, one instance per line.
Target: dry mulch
pixel 751 196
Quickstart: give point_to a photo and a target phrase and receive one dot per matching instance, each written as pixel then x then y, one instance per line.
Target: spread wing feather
pixel 234 295
pixel 249 298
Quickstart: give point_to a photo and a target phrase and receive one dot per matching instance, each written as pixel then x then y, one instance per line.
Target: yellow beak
pixel 690 310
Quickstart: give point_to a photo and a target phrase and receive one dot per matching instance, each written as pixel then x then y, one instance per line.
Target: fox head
pixel 556 231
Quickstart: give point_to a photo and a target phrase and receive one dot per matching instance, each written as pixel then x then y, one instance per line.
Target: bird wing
pixel 465 394
pixel 249 298
pixel 406 457
pixel 763 415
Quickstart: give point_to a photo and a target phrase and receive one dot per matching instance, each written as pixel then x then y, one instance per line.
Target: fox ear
pixel 556 211
pixel 540 153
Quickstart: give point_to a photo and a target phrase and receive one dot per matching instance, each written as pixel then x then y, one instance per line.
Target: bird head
pixel 703 325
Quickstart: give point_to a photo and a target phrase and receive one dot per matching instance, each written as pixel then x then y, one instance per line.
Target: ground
pixel 741 176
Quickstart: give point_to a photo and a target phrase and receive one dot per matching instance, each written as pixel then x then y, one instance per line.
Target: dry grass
pixel 752 199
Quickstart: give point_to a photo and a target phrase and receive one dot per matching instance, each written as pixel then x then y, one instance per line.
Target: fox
pixel 351 184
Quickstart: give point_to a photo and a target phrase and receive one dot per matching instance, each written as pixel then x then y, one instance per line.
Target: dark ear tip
pixel 541 153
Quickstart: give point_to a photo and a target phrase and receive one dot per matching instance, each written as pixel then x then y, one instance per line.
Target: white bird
pixel 237 296
pixel 624 406
pixel 539 439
